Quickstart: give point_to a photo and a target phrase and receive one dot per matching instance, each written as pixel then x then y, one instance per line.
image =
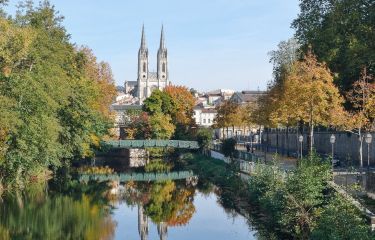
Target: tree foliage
pixel 204 138
pixel 54 97
pixel 341 34
pixel 229 147
pixel 307 95
pixel 175 103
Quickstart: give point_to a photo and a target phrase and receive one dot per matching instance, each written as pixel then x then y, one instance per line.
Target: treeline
pixel 54 96
pixel 324 76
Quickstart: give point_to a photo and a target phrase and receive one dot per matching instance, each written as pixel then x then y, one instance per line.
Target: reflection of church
pixel 148 81
pixel 143 226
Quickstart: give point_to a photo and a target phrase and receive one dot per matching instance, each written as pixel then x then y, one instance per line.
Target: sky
pixel 211 44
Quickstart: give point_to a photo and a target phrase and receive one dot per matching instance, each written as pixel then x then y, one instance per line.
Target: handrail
pixel 125 177
pixel 152 143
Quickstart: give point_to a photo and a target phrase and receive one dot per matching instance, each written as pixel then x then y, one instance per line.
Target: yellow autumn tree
pixel 308 95
pixel 362 112
pixel 14 45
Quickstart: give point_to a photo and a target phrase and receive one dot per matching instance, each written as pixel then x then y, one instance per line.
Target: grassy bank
pixel 297 205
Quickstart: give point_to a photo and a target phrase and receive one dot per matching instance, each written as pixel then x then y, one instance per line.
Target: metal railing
pixel 126 177
pixel 152 143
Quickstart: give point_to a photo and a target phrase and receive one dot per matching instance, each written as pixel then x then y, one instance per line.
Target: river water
pixel 140 210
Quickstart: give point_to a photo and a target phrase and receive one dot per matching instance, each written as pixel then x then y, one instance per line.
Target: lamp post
pixel 332 140
pixel 300 139
pixel 368 140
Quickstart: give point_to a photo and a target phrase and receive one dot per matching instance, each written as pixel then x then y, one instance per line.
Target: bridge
pixel 126 177
pixel 152 143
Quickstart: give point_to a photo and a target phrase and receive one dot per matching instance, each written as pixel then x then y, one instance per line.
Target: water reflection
pixel 140 210
pixel 23 216
pixel 167 203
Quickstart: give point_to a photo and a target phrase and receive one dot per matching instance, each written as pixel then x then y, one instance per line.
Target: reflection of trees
pixel 56 217
pixel 164 202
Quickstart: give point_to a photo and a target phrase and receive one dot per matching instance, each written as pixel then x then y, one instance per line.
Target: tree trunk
pixel 277 140
pixel 360 148
pixel 287 141
pixel 311 134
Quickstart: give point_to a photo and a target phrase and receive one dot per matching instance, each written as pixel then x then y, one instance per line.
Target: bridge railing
pixel 152 143
pixel 126 177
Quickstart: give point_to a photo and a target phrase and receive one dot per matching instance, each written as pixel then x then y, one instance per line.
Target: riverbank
pixel 300 205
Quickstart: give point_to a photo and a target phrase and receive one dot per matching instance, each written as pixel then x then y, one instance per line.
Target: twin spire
pixel 143 39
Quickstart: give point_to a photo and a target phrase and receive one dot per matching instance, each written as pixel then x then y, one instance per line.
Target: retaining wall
pixel 346 146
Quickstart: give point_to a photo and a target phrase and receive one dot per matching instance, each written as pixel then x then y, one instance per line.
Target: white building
pixel 204 116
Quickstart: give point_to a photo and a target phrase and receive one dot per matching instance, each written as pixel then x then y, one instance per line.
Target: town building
pixel 245 97
pixel 204 117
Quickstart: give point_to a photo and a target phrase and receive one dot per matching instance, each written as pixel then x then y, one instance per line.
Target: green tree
pixel 229 147
pixel 341 34
pixel 340 220
pixel 204 138
pixel 57 105
pixel 162 126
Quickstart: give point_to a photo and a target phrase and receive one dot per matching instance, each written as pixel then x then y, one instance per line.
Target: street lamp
pixel 332 140
pixel 300 139
pixel 368 139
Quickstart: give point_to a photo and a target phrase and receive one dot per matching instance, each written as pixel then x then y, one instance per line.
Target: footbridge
pixel 126 177
pixel 152 143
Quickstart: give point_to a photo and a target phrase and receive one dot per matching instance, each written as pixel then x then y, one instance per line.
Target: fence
pixel 126 177
pixel 152 143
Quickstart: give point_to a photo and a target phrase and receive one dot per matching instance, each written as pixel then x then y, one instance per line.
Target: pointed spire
pixel 162 44
pixel 143 39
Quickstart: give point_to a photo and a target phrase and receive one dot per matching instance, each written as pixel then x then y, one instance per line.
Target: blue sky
pixel 211 44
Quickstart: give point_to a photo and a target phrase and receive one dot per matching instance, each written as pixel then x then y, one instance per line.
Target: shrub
pixel 204 138
pixel 229 147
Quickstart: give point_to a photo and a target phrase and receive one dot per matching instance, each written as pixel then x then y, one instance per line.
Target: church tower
pixel 148 81
pixel 142 82
pixel 162 63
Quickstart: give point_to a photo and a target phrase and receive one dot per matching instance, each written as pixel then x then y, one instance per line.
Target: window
pixel 163 68
pixel 144 67
pixel 204 120
pixel 209 120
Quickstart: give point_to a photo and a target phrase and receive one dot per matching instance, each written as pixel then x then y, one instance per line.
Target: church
pixel 148 81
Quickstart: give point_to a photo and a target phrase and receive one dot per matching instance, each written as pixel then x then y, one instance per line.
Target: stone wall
pixel 134 157
pixel 346 146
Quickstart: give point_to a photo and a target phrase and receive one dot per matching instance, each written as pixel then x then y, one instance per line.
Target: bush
pixel 157 166
pixel 229 147
pixel 204 138
pixel 95 170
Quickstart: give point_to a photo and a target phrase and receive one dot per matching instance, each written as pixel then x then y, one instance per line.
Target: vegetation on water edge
pixel 158 165
pixel 95 170
pixel 54 95
pixel 299 204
